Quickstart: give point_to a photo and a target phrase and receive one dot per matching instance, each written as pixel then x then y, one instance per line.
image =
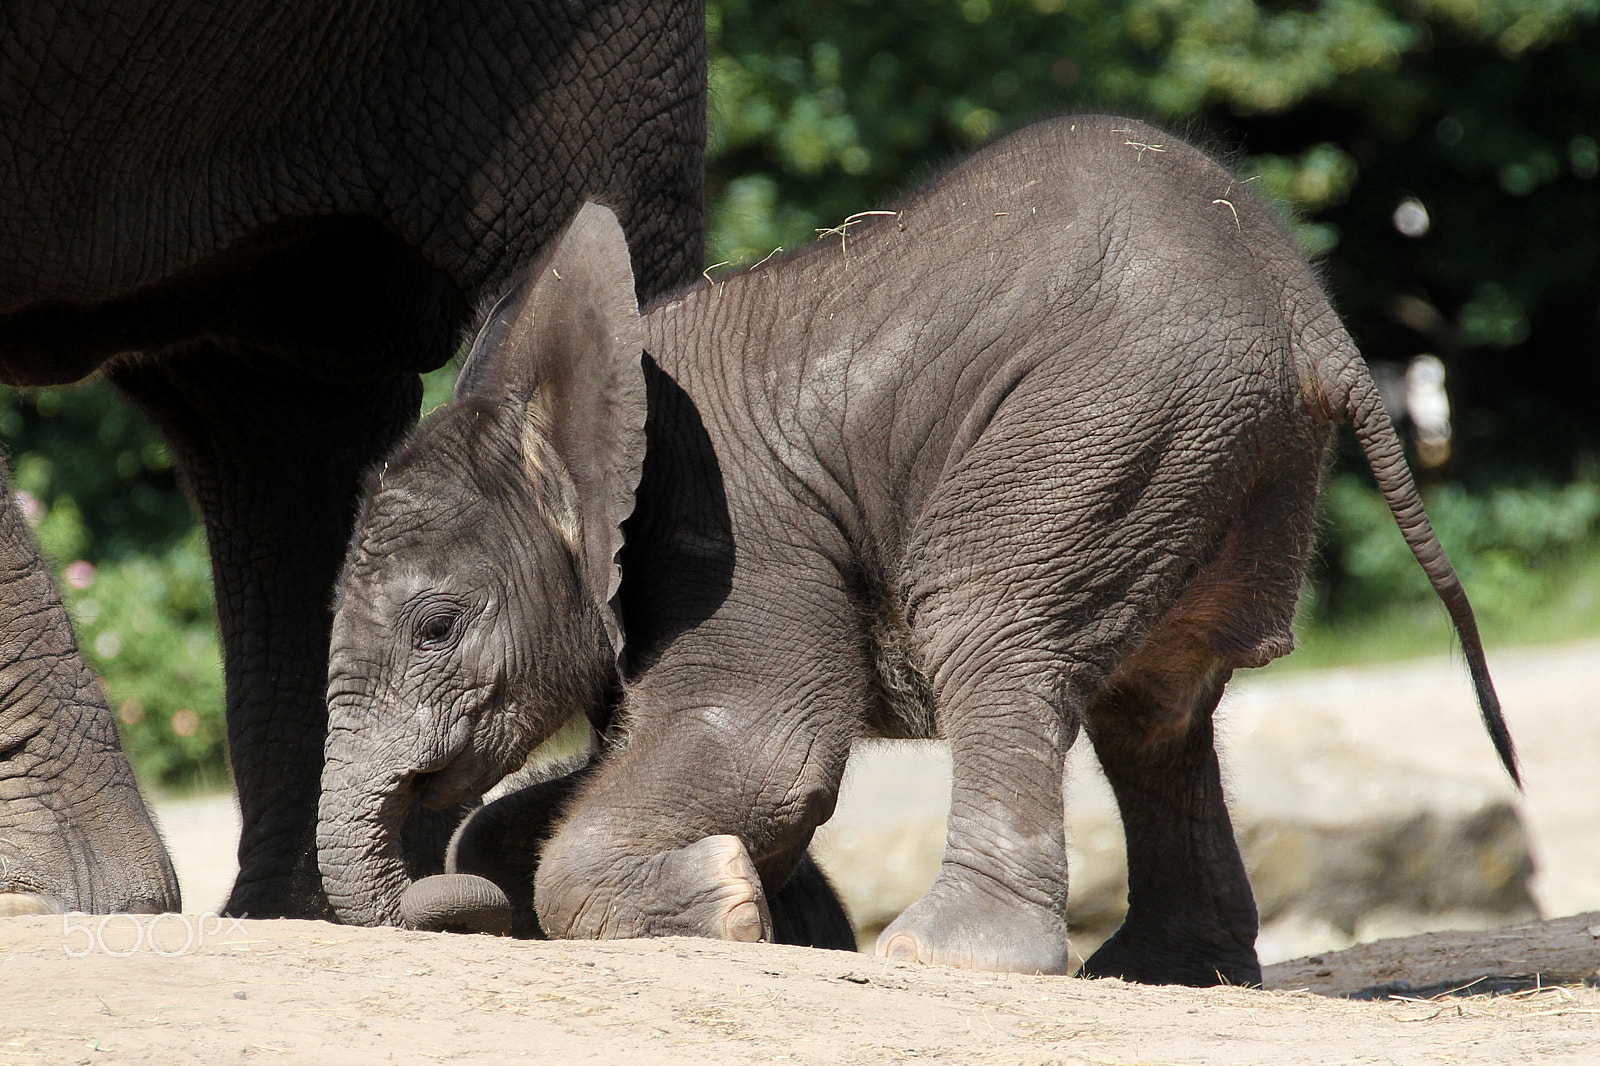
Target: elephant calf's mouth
pixel 462 780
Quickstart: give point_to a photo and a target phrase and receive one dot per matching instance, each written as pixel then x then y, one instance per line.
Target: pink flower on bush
pixel 80 575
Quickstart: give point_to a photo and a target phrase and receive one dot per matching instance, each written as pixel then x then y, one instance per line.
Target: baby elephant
pixel 1037 451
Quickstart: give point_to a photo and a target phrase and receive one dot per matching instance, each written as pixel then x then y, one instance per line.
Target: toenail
pixel 901 948
pixel 744 923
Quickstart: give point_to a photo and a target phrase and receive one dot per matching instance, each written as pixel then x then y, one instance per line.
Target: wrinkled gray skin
pixel 449 664
pixel 263 220
pixel 493 858
pixel 1038 453
pixel 75 835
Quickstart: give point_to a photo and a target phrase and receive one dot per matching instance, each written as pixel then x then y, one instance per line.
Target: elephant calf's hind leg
pixel 1191 915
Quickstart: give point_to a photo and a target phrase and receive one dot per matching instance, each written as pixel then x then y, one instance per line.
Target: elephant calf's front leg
pixel 687 830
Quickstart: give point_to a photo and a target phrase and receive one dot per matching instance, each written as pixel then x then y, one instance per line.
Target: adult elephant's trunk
pixel 359 821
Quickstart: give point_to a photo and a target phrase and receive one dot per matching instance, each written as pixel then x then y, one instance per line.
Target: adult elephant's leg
pixel 74 834
pixel 275 465
pixel 1191 915
pixel 806 911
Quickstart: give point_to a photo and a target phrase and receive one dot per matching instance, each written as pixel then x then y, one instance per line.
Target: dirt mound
pixel 1533 955
pixel 184 989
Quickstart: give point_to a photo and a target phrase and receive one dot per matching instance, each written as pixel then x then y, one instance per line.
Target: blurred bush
pixel 147 624
pixel 1509 545
pixel 1528 556
pixel 104 502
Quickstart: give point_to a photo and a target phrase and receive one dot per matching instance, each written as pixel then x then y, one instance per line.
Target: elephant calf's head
pixel 472 617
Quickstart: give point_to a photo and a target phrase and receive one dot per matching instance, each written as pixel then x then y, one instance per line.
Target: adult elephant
pixel 263 221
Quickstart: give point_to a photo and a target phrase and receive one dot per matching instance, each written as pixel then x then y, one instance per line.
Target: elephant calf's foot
pixel 1170 960
pixel 710 889
pixel 958 925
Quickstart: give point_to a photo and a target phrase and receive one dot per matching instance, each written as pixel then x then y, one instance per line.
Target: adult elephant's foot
pixel 958 924
pixel 14 904
pixel 806 911
pixel 709 888
pixel 1175 958
pixel 287 888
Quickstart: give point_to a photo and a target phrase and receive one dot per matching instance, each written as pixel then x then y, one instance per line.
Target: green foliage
pixel 1505 543
pixel 132 569
pixel 91 456
pixel 146 623
pixel 1528 555
pixel 437 385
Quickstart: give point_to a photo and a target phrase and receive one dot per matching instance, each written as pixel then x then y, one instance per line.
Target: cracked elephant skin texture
pixel 74 833
pixel 262 222
pixel 1034 454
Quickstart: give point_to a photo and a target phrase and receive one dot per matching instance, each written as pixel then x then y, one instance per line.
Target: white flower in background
pixel 1428 407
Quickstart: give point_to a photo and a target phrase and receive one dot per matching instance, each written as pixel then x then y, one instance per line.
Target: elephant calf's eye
pixel 434 632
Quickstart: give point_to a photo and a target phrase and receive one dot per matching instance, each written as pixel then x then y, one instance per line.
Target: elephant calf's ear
pixel 564 347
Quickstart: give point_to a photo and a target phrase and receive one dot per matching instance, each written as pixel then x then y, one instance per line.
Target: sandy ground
pixel 180 989
pixel 166 991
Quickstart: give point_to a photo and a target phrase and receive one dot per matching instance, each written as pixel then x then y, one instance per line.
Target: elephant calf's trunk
pixel 358 845
pixel 456 903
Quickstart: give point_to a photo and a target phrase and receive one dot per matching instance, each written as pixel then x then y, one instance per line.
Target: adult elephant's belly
pixel 339 300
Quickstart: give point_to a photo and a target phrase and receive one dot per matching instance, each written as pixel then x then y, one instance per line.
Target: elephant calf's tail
pixel 1349 395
